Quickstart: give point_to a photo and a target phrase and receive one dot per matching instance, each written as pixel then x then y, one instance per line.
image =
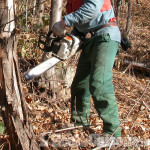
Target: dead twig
pixel 67 129
pixel 135 118
pixel 61 130
pixel 146 106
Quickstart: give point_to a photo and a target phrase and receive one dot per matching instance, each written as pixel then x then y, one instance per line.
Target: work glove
pixel 59 28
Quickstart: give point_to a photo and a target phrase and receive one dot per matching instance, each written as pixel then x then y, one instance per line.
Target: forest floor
pixel 50 118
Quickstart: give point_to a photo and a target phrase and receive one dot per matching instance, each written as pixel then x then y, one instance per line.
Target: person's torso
pixel 105 15
pixel 73 5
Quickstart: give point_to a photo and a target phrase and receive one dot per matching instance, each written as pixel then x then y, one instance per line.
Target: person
pixel 94 71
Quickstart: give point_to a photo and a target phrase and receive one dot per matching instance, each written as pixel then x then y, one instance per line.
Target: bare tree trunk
pixel 56 12
pixel 34 5
pixel 112 2
pixel 117 9
pixel 50 75
pixel 12 101
pixel 128 17
pixel 41 10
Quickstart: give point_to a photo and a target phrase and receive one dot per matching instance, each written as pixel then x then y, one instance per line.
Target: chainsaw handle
pixel 72 37
pixel 41 42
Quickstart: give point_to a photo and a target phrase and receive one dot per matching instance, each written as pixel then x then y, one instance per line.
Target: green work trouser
pixel 94 78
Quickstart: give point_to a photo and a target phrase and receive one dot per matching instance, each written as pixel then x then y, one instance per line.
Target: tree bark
pixel 56 12
pixel 117 9
pixel 34 6
pixel 50 76
pixel 41 10
pixel 128 17
pixel 12 101
pixel 133 63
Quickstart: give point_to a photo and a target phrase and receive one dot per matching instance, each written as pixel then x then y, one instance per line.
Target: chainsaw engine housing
pixel 62 48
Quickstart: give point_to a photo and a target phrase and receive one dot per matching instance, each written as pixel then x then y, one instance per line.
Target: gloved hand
pixel 59 28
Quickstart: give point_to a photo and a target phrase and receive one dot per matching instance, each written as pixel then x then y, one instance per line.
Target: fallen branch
pixel 68 129
pixel 132 63
pixel 61 130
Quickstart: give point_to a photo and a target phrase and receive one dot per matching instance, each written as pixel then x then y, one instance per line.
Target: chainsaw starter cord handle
pixel 72 37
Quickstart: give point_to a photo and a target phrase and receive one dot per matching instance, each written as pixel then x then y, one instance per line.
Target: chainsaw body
pixel 61 48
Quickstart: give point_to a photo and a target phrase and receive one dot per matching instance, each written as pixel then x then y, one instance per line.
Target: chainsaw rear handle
pixel 72 37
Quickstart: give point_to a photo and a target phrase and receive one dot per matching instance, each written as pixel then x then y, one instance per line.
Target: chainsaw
pixel 62 48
